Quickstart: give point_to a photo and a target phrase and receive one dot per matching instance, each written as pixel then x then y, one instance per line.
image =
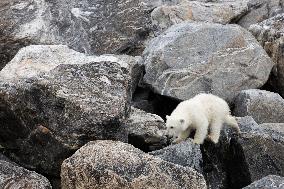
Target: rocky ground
pixel 85 87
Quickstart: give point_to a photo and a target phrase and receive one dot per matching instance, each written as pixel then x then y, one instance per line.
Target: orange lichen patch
pixel 43 129
pixel 237 42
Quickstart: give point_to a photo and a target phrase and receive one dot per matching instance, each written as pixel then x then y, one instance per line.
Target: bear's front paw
pixel 176 141
pixel 213 139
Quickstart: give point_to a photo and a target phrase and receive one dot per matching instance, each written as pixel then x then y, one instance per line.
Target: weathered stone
pixel 256 153
pixel 270 33
pixel 260 10
pixel 13 176
pixel 263 106
pixel 145 130
pixel 216 157
pixel 190 58
pixel 93 27
pixel 276 127
pixel 53 100
pixel 109 164
pixel 186 154
pixel 224 12
pixel 269 182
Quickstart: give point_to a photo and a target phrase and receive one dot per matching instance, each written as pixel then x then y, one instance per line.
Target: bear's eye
pixel 171 127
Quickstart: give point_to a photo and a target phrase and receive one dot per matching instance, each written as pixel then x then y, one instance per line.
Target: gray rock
pixel 186 154
pixel 145 130
pixel 53 100
pixel 270 33
pixel 277 127
pixel 256 153
pixel 260 10
pixel 263 106
pixel 13 176
pixel 190 58
pixel 269 182
pixel 93 27
pixel 224 12
pixel 109 164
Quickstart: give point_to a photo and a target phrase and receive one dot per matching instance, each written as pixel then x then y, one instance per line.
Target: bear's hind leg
pixel 215 130
pixel 201 132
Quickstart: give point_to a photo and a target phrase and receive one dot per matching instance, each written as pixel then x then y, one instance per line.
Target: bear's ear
pixel 167 117
pixel 181 121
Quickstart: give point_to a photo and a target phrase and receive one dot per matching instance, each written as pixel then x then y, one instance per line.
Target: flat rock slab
pixel 14 176
pixel 93 27
pixel 270 181
pixel 190 58
pixel 53 100
pixel 270 34
pixel 109 164
pixel 217 12
pixel 186 154
pixel 263 106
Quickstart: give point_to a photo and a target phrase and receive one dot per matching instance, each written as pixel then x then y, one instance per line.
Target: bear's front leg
pixel 201 132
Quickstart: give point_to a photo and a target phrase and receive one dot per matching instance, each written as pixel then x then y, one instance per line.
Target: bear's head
pixel 175 126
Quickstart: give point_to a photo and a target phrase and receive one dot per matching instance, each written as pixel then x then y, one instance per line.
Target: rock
pixel 263 106
pixel 270 34
pixel 217 157
pixel 53 100
pixel 13 176
pixel 224 12
pixel 190 58
pixel 256 153
pixel 270 181
pixel 109 164
pixel 145 130
pixel 186 154
pixel 260 10
pixel 276 127
pixel 93 27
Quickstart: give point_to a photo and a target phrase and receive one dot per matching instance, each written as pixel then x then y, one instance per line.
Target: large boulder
pixel 260 10
pixel 270 34
pixel 263 106
pixel 145 130
pixel 269 182
pixel 14 176
pixel 93 27
pixel 186 154
pixel 256 153
pixel 53 100
pixel 109 164
pixel 222 12
pixel 190 58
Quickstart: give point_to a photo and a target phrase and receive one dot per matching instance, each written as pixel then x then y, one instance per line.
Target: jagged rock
pixel 260 10
pixel 53 100
pixel 93 27
pixel 145 130
pixel 216 158
pixel 256 153
pixel 269 182
pixel 190 58
pixel 263 106
pixel 224 12
pixel 109 164
pixel 270 33
pixel 14 176
pixel 186 154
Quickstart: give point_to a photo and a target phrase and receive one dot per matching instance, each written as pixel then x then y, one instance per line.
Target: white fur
pixel 200 113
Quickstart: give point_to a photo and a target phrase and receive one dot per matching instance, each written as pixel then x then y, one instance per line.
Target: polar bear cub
pixel 201 113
